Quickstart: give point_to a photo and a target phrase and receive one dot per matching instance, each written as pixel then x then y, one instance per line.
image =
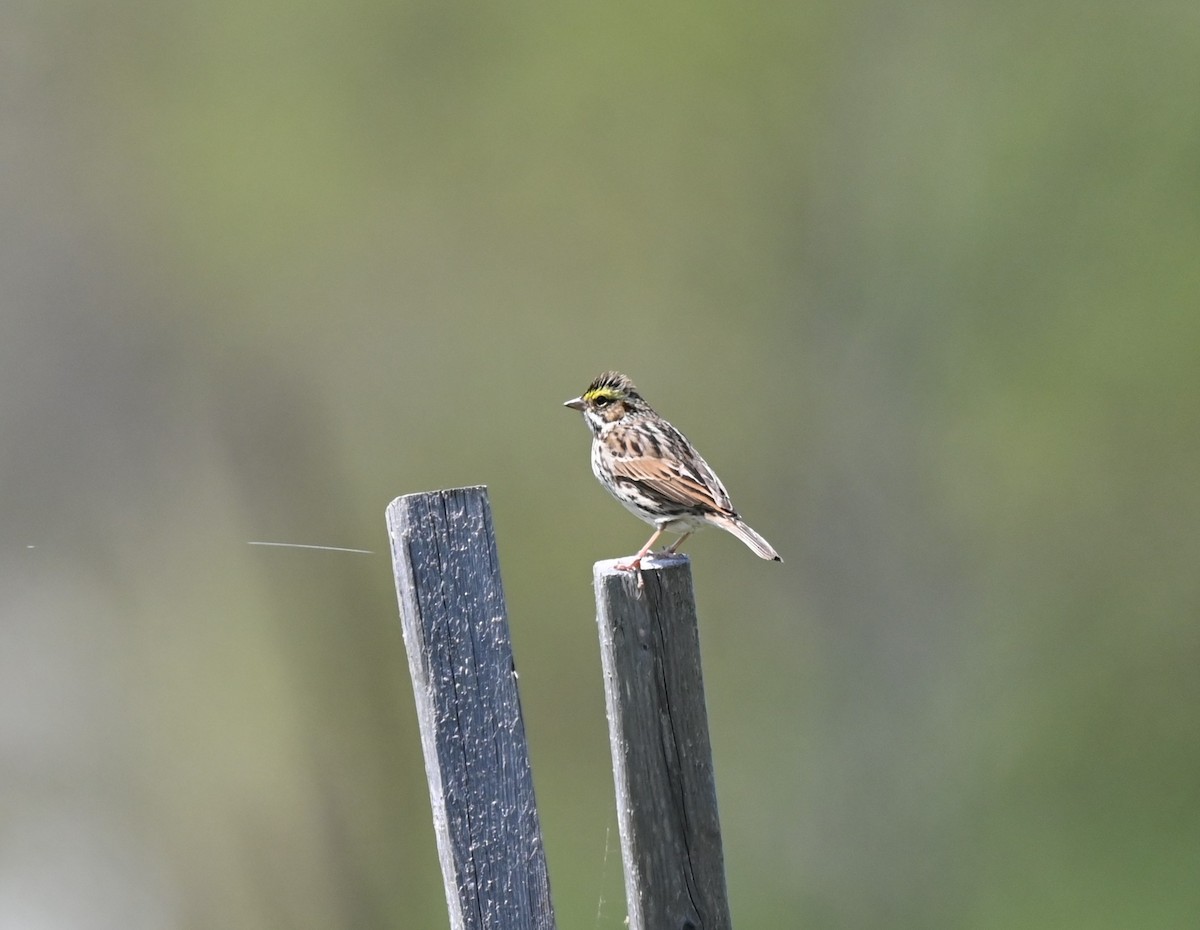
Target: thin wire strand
pixel 283 545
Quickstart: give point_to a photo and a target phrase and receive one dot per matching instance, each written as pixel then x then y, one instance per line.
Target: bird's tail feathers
pixel 742 531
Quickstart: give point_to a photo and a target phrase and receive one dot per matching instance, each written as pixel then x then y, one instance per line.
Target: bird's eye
pixel 603 400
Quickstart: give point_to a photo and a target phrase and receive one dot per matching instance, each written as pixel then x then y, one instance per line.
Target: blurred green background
pixel 921 281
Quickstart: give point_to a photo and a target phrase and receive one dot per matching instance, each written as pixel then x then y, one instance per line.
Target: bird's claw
pixel 633 566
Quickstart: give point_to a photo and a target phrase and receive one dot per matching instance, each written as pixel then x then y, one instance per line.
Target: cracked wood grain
pixel 662 758
pixel 460 658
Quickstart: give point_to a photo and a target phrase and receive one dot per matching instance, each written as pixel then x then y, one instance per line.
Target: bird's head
pixel 610 398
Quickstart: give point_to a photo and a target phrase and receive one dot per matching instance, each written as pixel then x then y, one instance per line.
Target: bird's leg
pixel 635 564
pixel 671 550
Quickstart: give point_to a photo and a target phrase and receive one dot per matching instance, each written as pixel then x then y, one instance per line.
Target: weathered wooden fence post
pixel 662 759
pixel 476 758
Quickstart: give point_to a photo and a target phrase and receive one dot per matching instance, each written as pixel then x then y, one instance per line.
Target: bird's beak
pixel 576 404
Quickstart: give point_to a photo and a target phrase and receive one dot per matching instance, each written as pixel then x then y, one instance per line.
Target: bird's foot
pixel 633 565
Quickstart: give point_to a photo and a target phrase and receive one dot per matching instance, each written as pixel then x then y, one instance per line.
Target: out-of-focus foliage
pixel 921 281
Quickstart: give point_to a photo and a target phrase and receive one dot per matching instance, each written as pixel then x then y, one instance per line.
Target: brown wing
pixel 682 479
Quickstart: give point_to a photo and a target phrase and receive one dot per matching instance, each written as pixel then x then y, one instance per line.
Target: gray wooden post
pixel 476 759
pixel 662 759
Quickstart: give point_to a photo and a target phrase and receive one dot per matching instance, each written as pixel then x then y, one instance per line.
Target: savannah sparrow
pixel 651 468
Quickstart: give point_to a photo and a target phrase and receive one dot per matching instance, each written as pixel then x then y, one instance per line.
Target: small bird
pixel 651 468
